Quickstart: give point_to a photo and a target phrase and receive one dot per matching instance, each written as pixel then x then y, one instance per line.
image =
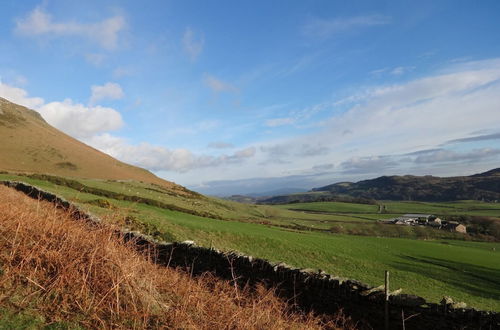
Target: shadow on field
pixel 475 280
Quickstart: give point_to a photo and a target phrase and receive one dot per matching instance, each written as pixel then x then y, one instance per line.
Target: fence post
pixel 386 300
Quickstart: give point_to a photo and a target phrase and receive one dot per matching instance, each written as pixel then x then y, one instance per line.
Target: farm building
pixel 412 219
pixel 455 226
pixel 427 220
pixel 418 217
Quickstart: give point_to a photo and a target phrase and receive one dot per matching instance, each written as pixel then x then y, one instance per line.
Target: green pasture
pixel 332 207
pixel 466 271
pixel 475 208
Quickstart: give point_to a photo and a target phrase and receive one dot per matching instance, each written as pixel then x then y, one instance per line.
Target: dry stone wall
pixel 305 288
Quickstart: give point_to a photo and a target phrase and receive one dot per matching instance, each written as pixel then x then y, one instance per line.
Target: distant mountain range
pixel 483 186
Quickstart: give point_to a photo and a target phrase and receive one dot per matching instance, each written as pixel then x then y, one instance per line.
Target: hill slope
pixel 31 145
pixel 422 188
pixel 62 274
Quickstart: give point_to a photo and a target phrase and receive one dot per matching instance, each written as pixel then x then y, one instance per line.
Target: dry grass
pixel 65 271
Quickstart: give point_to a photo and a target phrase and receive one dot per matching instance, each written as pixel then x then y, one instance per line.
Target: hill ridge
pixel 479 186
pixel 31 145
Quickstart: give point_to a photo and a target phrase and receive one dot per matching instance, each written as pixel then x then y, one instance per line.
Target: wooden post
pixel 386 300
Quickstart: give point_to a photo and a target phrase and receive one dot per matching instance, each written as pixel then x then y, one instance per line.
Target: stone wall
pixel 306 289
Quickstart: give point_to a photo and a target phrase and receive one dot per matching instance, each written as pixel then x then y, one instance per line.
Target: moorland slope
pixel 30 145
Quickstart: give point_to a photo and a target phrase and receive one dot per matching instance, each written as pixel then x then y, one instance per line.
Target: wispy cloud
pixel 108 91
pixel 193 43
pixel 275 122
pixel 401 120
pixel 217 85
pixel 401 70
pixel 326 28
pixel 121 72
pixel 484 137
pixel 40 23
pixel 396 71
pixel 446 156
pixel 95 59
pixel 297 117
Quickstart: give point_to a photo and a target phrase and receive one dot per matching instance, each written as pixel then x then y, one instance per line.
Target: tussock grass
pixel 60 270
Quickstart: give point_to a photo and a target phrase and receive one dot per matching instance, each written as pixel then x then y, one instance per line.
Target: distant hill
pixel 422 188
pixel 314 196
pixel 254 198
pixel 30 145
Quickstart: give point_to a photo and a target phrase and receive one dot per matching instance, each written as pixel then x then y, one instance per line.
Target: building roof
pixel 417 215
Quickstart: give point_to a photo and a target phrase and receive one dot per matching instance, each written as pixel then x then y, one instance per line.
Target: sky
pixel 235 97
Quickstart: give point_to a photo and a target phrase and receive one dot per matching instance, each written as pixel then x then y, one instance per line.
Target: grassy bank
pixel 59 273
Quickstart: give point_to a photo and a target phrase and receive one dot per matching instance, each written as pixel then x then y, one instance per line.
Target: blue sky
pixel 246 96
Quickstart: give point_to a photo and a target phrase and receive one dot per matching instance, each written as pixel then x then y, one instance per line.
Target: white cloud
pixel 423 112
pixel 40 23
pixel 80 121
pixel 394 120
pixel 92 125
pixel 108 91
pixel 217 85
pixel 72 118
pixel 192 43
pixel 158 158
pixel 326 28
pixel 19 96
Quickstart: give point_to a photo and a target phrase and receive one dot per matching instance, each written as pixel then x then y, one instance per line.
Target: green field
pixel 440 209
pixel 477 208
pixel 334 207
pixel 467 271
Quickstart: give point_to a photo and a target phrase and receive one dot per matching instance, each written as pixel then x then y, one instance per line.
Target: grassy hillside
pixel 60 274
pixel 483 186
pixel 432 268
pixel 31 145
